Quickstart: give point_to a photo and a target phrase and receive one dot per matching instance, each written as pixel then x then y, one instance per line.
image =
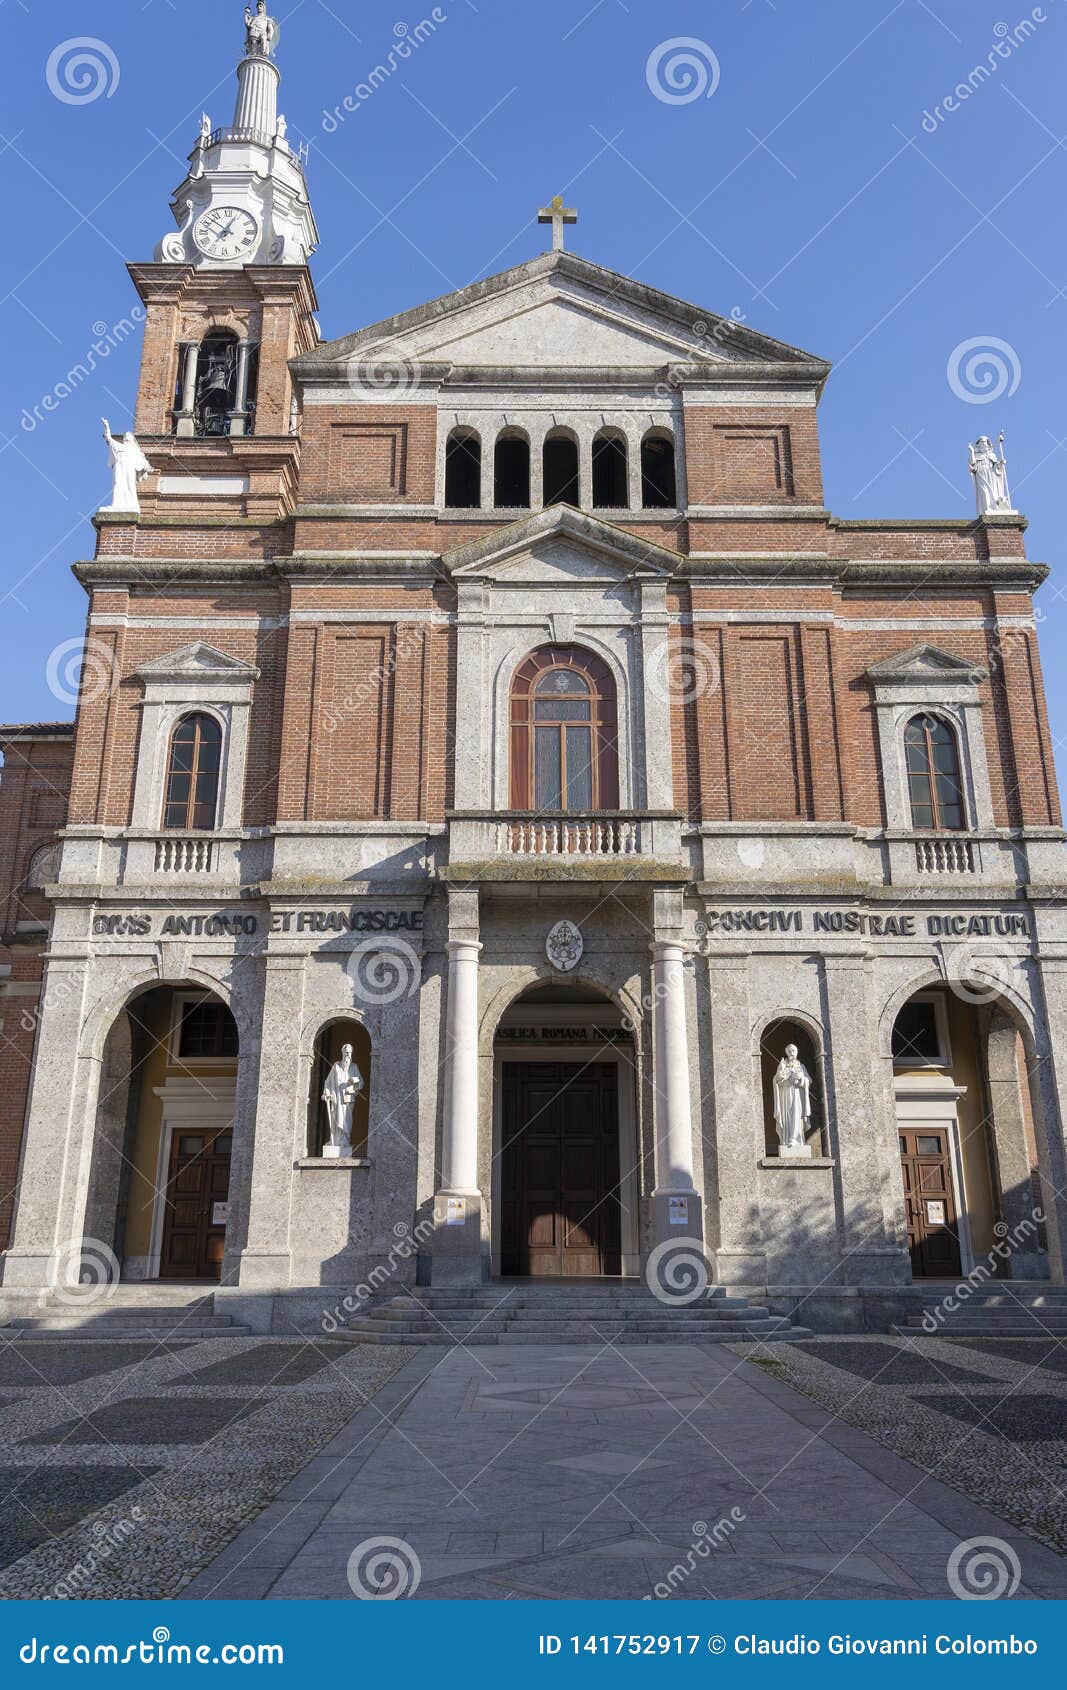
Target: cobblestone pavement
pixel 125 1467
pixel 985 1415
pixel 673 1471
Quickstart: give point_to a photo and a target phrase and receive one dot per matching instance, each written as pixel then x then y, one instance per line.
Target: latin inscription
pixel 1015 925
pixel 235 924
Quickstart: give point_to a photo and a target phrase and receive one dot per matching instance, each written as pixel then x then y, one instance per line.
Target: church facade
pixel 511 827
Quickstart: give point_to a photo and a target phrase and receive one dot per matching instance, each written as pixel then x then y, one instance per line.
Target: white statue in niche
pixel 343 1085
pixel 990 476
pixel 128 465
pixel 792 1104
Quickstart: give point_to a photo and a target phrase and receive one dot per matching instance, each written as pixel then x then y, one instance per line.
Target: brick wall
pixel 34 785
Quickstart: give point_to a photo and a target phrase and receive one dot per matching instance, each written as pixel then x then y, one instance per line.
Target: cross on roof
pixel 558 215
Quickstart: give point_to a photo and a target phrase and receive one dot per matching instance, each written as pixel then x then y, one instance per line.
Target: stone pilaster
pixel 258 1250
pixel 863 1129
pixel 1017 1197
pixel 738 1134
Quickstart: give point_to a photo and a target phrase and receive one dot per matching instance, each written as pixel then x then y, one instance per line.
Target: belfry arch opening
pixel 565 1185
pixel 158 1195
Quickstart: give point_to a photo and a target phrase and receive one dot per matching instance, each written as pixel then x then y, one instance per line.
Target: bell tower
pixel 229 302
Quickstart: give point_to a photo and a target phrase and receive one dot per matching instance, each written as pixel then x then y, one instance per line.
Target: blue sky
pixel 823 189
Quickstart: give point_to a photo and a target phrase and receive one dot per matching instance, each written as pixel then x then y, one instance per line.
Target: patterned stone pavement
pixel 985 1415
pixel 125 1467
pixel 672 1471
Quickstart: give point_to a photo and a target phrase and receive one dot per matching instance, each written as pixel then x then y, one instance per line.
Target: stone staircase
pixel 1008 1309
pixel 136 1313
pixel 565 1314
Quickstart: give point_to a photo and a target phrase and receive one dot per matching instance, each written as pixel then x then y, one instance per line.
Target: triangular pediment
pixel 922 663
pixel 558 312
pixel 197 662
pixel 557 545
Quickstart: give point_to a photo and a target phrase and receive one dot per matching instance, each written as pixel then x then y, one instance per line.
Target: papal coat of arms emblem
pixel 564 946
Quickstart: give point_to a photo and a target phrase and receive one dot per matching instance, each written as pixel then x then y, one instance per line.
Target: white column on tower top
pixel 257 95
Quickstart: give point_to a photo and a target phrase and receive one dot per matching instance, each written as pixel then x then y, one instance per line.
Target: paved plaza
pixel 678 1471
pixel 287 1468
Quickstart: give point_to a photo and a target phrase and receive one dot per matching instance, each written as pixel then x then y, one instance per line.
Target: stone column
pixel 239 414
pixel 676 1206
pixel 457 1247
pixel 186 417
pixel 1017 1197
pixel 862 1118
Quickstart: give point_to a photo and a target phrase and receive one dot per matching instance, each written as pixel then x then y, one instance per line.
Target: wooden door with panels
pixel 560 1210
pixel 195 1203
pixel 930 1202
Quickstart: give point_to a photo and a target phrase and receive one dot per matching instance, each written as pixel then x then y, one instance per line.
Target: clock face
pixel 226 232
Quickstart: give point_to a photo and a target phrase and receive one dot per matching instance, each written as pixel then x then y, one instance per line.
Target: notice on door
pixel 935 1213
pixel 220 1214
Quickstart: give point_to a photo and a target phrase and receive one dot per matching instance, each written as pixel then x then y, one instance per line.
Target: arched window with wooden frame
pixel 935 784
pixel 191 794
pixel 564 733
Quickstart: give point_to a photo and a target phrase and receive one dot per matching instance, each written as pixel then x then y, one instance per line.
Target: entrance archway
pixel 565 1176
pixel 158 1192
pixel 966 1129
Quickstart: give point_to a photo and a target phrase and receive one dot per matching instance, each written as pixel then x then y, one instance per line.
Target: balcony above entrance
pixel 594 845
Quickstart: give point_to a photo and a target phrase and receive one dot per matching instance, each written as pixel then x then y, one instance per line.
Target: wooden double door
pixel 560 1209
pixel 930 1202
pixel 195 1207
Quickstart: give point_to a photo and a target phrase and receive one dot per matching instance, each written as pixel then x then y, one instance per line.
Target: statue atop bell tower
pixel 261 31
pixel 245 198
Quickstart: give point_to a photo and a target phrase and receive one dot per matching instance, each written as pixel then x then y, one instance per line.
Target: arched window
pixel 511 472
pixel 216 386
pixel 463 470
pixel 659 479
pixel 611 477
pixel 192 792
pixel 564 733
pixel 934 783
pixel 560 464
pixel 328 1047
pixel 44 867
